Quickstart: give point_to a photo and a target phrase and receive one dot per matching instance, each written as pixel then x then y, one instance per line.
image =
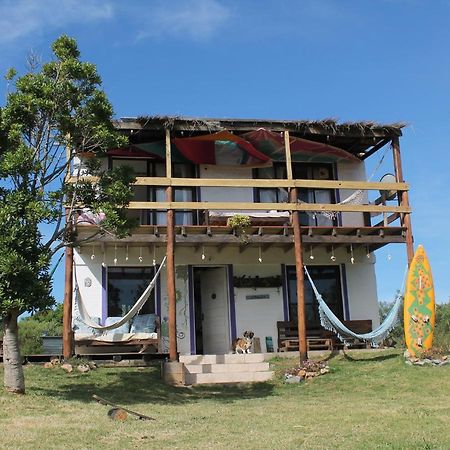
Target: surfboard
pixel 419 305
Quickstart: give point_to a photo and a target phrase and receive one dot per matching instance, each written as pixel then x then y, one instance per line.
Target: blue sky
pixel 384 60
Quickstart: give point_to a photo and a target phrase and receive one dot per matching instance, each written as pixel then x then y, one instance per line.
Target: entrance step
pixel 210 369
pixel 222 359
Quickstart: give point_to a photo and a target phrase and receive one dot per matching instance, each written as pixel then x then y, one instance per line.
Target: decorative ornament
pixel 260 255
pixel 126 254
pixel 367 252
pixel 154 255
pixel 203 253
pixel 352 259
pixel 140 255
pixel 332 257
pixel 311 256
pixel 115 254
pixel 93 253
pixel 389 257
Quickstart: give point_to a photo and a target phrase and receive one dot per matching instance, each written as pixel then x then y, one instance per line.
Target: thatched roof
pixel 358 138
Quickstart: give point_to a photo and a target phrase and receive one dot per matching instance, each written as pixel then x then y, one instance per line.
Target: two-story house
pixel 307 195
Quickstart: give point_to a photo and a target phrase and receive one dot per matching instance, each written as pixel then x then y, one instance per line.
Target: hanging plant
pixel 239 224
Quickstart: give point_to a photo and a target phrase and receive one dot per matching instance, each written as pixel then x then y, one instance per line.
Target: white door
pixel 215 323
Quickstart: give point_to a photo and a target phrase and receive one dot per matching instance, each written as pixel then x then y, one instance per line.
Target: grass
pixel 368 401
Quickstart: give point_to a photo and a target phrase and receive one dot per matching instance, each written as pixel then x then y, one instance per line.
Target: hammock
pixel 330 322
pixel 84 316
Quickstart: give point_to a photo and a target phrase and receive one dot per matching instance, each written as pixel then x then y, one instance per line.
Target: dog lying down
pixel 243 344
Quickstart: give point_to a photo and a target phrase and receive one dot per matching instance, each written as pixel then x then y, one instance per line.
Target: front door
pixel 214 315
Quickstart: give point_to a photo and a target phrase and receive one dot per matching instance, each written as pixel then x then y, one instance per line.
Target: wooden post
pixel 298 252
pixel 170 261
pixel 403 199
pixel 68 348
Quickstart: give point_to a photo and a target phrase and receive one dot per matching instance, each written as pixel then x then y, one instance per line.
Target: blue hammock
pixel 330 322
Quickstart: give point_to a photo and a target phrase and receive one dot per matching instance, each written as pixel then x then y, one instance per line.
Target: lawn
pixel 368 400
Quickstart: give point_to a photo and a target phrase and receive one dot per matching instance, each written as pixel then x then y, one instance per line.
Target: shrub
pixel 42 323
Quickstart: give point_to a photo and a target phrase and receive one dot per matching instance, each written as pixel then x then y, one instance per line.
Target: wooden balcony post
pixel 298 252
pixel 403 199
pixel 68 348
pixel 170 261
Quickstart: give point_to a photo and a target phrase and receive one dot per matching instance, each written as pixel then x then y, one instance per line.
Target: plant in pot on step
pixel 239 224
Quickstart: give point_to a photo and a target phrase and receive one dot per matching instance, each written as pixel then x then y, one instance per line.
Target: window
pixel 328 282
pixel 305 171
pixel 148 168
pixel 125 286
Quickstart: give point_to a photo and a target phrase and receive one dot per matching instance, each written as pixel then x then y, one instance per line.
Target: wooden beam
pixel 403 200
pixel 68 344
pixel 264 183
pixel 298 252
pixel 170 261
pixel 233 206
pixel 287 150
pixel 375 148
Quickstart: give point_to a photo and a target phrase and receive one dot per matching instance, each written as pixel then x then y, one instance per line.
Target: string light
pixel 352 259
pixel 154 255
pixel 126 254
pixel 260 255
pixel 203 253
pixel 115 254
pixel 93 253
pixel 140 255
pixel 367 252
pixel 104 257
pixel 332 257
pixel 311 256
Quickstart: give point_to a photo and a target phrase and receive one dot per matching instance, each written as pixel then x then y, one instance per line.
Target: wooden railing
pixel 264 183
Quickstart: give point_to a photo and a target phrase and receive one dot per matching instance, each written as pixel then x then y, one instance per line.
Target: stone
pixel 406 354
pixel 67 367
pixel 302 373
pixel 83 368
pixel 292 380
pixel 324 370
pixel 48 365
pixel 408 362
pixel 92 365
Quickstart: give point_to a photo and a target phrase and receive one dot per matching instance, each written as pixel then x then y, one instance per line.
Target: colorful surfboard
pixel 419 306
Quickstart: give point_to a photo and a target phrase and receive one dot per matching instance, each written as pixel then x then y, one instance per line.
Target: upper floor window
pixel 149 168
pixel 305 171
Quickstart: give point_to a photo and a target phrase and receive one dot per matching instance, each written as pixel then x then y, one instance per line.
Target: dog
pixel 243 344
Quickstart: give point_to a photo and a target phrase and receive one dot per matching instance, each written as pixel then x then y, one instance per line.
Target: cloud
pixel 194 19
pixel 23 18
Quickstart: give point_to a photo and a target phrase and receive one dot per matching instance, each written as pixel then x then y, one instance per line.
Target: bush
pixel 43 323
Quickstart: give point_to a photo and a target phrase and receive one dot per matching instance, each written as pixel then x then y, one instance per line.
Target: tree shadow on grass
pixel 131 386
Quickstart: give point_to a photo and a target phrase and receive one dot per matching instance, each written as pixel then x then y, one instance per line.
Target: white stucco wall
pixel 350 171
pixel 362 291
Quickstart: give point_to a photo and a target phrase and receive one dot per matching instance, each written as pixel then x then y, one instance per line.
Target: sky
pixel 385 61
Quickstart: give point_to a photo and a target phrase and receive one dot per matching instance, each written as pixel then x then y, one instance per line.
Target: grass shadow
pixel 371 358
pixel 132 386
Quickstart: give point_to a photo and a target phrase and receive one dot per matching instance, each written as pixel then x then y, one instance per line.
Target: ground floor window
pixel 125 286
pixel 328 282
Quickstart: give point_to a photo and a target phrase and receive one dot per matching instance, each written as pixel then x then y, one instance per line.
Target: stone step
pixel 227 368
pixel 230 377
pixel 222 359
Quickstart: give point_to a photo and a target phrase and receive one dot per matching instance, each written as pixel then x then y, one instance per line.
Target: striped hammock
pixel 85 318
pixel 331 322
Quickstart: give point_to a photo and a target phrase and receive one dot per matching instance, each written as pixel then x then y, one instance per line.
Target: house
pixel 304 188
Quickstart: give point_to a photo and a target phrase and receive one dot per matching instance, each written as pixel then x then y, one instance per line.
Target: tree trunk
pixel 14 380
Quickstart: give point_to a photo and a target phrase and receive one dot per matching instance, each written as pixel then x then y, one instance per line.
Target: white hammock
pixel 84 316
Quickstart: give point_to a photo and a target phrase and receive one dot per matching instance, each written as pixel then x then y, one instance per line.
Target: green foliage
pixel 52 114
pixel 238 222
pixel 43 323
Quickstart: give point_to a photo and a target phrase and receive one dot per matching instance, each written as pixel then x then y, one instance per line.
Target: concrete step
pixel 227 368
pixel 231 377
pixel 222 359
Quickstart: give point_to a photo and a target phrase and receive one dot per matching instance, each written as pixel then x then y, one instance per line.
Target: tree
pixel 54 113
